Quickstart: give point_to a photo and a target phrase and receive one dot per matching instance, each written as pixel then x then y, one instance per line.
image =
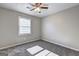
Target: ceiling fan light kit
pixel 37 7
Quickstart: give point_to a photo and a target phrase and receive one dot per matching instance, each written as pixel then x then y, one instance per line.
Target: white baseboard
pixel 5 47
pixel 36 40
pixel 61 45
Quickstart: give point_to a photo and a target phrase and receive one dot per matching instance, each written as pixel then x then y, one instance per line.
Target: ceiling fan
pixel 37 7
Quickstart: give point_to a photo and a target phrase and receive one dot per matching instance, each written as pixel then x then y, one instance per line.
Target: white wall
pixel 62 28
pixel 9 29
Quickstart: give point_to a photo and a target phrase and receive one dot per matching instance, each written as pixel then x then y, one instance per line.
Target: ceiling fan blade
pixel 28 7
pixel 39 11
pixel 32 9
pixel 44 7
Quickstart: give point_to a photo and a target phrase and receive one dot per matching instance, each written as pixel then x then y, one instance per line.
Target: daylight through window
pixel 24 25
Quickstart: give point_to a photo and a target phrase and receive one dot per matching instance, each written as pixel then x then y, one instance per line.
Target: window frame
pixel 26 26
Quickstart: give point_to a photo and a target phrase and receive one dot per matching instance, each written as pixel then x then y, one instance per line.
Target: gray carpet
pixel 21 49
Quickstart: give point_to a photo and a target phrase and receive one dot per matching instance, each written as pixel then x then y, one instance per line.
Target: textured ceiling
pixel 53 8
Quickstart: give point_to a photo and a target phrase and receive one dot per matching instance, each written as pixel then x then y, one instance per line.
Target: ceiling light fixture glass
pixel 38 10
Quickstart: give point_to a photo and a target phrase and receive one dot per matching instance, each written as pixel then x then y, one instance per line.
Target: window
pixel 24 26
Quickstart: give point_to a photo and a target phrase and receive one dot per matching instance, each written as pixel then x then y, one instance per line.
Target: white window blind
pixel 24 25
